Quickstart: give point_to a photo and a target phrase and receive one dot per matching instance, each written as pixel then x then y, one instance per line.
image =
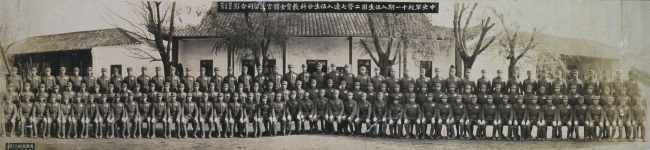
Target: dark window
pixel 340 69
pixel 207 64
pixel 119 69
pixel 251 67
pixel 426 65
pixel 311 65
pixel 365 63
pixel 270 64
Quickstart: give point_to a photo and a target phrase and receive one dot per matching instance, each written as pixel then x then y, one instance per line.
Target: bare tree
pixel 516 44
pixel 393 35
pixel 468 56
pixel 6 42
pixel 252 35
pixel 156 21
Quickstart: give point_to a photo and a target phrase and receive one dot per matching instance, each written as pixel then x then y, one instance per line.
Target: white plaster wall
pixel 104 57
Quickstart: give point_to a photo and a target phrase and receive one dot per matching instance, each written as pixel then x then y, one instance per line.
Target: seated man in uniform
pixel 444 115
pixel 395 116
pixel 473 112
pixel 412 115
pixel 580 118
pixel 596 118
pixel 638 120
pixel 534 119
pixel 489 116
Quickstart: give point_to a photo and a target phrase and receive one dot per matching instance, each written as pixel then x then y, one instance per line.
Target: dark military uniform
pixel 546 83
pixel 34 81
pixel 247 81
pixel 174 81
pixel 500 81
pixel 130 81
pixel 188 81
pixel 116 80
pixel 484 81
pixel 377 80
pixel 304 77
pixel 563 86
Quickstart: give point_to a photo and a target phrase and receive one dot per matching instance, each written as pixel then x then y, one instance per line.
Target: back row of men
pixel 542 86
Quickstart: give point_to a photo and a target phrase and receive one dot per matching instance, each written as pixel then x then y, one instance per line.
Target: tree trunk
pixel 385 68
pixel 468 64
pixel 458 64
pixel 511 68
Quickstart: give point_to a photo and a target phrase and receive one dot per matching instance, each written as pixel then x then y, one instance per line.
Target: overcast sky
pixel 610 22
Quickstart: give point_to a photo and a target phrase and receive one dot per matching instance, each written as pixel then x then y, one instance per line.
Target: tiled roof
pixel 318 24
pixel 579 47
pixel 75 41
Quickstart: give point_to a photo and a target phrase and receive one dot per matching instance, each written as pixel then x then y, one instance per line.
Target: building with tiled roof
pixel 104 48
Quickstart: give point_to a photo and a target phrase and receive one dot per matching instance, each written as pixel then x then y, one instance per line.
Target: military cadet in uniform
pixel 412 118
pixel 76 79
pixel 349 116
pixel 189 114
pixel 15 80
pixel 320 76
pixel 291 78
pixel 158 113
pixel 534 119
pixel 611 118
pixel 632 86
pixel 293 113
pixel 460 115
pixel 499 81
pixel 576 81
pixel 65 117
pixel 467 94
pixel 91 113
pixel 542 97
pixel 428 117
pixel 238 115
pixel 276 79
pixel 27 94
pixel 49 80
pixel 395 115
pixel 103 115
pixel 304 76
pixel 119 114
pixel 528 94
pixel 116 79
pixel 590 81
pixel 514 80
pixel 506 113
pixel 364 113
pixel 625 117
pixel 489 116
pixel 638 119
pixel 482 95
pixel 397 95
pixel 103 82
pixel 559 81
pixel 566 114
pixel 573 95
pixel 245 79
pixel 143 79
pixel 309 113
pixel 313 89
pixel 467 81
pixel 437 93
pixel 520 118
pixel 379 113
pixel 280 112
pixel 392 81
pixel 452 80
pixel 421 97
pixel 68 92
pixel 422 80
pixel 37 116
pixel 580 118
pixel 452 95
pixel 444 115
pixel 33 79
pixel 484 81
pixel 24 110
pixel 529 81
pixel 473 112
pixel 230 79
pixel 174 115
pixel 405 82
pixel 437 79
pixel 557 95
pixel 158 80
pixel 52 111
pixel 596 118
pixel 130 79
pixel 203 80
pixel 261 79
pixel 618 84
pixel 221 116
pixel 357 92
pixel 363 79
pixel 602 83
pixel 335 112
pixel 378 79
pixel 544 81
pixel 321 106
pixel 348 77
pixel 144 106
pixel 62 79
pixel 265 114
pixel 188 80
pixel 131 117
pixel 173 80
pixel 549 119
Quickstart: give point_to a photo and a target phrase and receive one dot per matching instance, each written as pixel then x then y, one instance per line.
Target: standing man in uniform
pixel 591 80
pixel 602 83
pixel 452 80
pixel 230 79
pixel 529 82
pixel 76 79
pixel 291 78
pixel 348 77
pixel 363 79
pixel 33 79
pixel 144 80
pixel 304 76
pixel 49 80
pixel 103 82
pixel 130 79
pixel 405 82
pixel 116 79
pixel 514 80
pixel 559 81
pixel 15 80
pixel 392 81
pixel 158 80
pixel 173 80
pixel 499 80
pixel 203 80
pixel 544 81
pixel 320 76
pixel 437 79
pixel 216 79
pixel 245 79
pixel 260 79
pixel 467 81
pixel 422 81
pixel 484 81
pixel 62 79
pixel 335 76
pixel 378 79
pixel 576 81
pixel 188 80
pixel 276 79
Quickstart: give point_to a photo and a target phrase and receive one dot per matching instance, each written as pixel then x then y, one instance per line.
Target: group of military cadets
pixel 330 103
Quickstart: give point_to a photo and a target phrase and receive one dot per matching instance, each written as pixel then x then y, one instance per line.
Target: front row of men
pixel 227 113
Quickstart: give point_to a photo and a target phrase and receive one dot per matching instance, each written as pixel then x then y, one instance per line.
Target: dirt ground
pixel 314 142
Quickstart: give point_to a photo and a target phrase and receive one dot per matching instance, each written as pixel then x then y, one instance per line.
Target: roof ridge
pixel 76 32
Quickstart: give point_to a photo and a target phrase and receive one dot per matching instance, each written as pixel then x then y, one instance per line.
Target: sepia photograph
pixel 416 74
